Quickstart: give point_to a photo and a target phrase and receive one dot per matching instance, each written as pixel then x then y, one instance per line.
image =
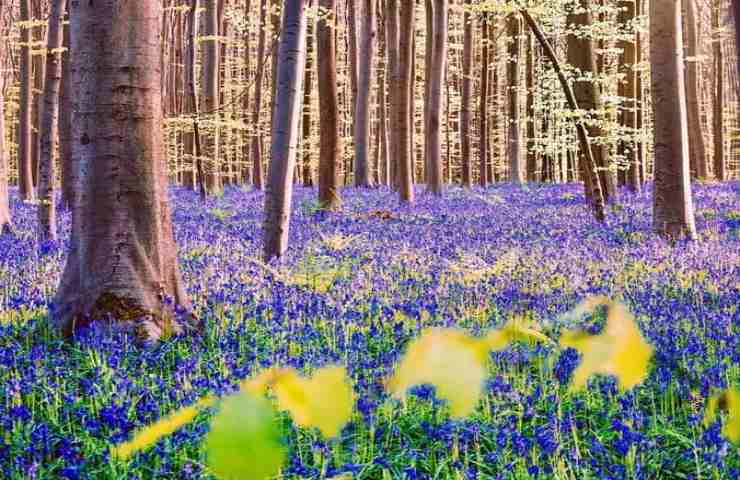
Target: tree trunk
pixel 384 173
pixel 330 150
pixel 720 171
pixel 436 79
pixel 391 49
pixel 404 99
pixel 211 99
pixel 122 264
pixel 362 107
pixel 483 178
pixel 189 178
pixel 673 211
pixel 467 84
pixel 257 177
pixel 631 94
pixel 289 83
pixel 25 163
pixel 517 167
pixel 697 149
pixel 307 108
pixel 65 117
pixel 49 134
pixel 6 225
pixel 533 168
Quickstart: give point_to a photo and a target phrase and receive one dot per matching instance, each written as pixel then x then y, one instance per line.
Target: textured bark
pixel 25 163
pixel 366 56
pixel 190 104
pixel 197 150
pixel 211 98
pixel 391 48
pixel 49 134
pixel 436 79
pixel 673 211
pixel 6 225
pixel 720 169
pixel 533 168
pixel 465 109
pixel 517 166
pixel 404 100
pixel 306 146
pixel 330 150
pixel 383 134
pixel 279 194
pixel 630 92
pixel 65 118
pixel 257 177
pixel 697 149
pixel 122 264
pixel 483 178
pixel 736 13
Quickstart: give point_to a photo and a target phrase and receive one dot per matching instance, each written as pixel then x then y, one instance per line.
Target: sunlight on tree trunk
pixel 330 150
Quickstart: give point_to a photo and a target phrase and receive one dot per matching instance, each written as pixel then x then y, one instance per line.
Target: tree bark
pixel 122 265
pixel 436 79
pixel 257 177
pixel 384 173
pixel 465 109
pixel 211 97
pixel 49 134
pixel 307 149
pixel 483 178
pixel 279 194
pixel 25 163
pixel 66 160
pixel 517 166
pixel 720 170
pixel 404 99
pixel 330 150
pixel 6 224
pixel 366 56
pixel 673 211
pixel 697 149
pixel 631 93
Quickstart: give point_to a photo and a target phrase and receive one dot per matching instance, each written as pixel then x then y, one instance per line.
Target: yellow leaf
pixel 515 330
pixel 244 441
pixel 729 400
pixel 448 359
pixel 324 401
pixel 620 350
pixel 148 436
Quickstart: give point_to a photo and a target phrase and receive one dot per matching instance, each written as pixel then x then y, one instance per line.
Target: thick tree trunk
pixel 673 211
pixel 25 163
pixel 65 118
pixel 330 150
pixel 366 56
pixel 483 178
pixel 697 149
pixel 289 84
pixel 720 170
pixel 517 166
pixel 436 78
pixel 6 225
pixel 122 264
pixel 465 109
pixel 404 100
pixel 211 98
pixel 257 177
pixel 49 134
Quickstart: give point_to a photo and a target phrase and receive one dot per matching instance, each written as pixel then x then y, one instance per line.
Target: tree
pixel 65 118
pixel 211 97
pixel 306 143
pixel 330 150
pixel 391 49
pixel 49 135
pixel 403 104
pixel 25 162
pixel 630 90
pixel 289 83
pixel 6 225
pixel 257 178
pixel 436 78
pixel 365 58
pixel 517 165
pixel 697 149
pixel 483 178
pixel 673 210
pixel 720 170
pixel 467 84
pixel 122 263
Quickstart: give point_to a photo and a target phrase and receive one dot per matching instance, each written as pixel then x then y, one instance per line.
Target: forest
pixel 370 239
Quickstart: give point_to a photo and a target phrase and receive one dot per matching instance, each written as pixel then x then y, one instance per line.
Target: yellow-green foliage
pixel 729 400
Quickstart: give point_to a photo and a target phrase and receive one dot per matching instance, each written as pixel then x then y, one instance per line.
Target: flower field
pixel 356 287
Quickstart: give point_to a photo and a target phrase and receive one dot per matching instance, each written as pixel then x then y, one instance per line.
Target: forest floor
pixel 356 286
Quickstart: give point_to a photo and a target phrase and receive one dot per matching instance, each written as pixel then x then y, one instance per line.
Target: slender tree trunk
pixel 211 97
pixel 307 109
pixel 533 169
pixel 289 83
pixel 49 135
pixel 720 171
pixel 483 178
pixel 673 210
pixel 66 160
pixel 697 149
pixel 630 93
pixel 6 225
pixel 391 48
pixel 330 151
pixel 257 177
pixel 191 99
pixel 122 264
pixel 25 163
pixel 362 107
pixel 465 109
pixel 517 166
pixel 384 173
pixel 404 99
pixel 436 78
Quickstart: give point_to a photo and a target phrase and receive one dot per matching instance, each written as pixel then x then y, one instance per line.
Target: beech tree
pixel 483 178
pixel 288 87
pixel 49 134
pixel 517 166
pixel 403 99
pixel 6 225
pixel 436 78
pixel 211 96
pixel 465 107
pixel 365 58
pixel 330 150
pixel 673 211
pixel 122 264
pixel 697 149
pixel 25 162
pixel 257 177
